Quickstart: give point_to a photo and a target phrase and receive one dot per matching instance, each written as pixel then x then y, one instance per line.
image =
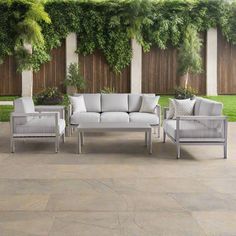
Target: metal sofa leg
pixel 63 138
pixel 12 145
pixel 164 136
pixel 159 131
pixel 178 150
pixel 225 151
pixel 56 144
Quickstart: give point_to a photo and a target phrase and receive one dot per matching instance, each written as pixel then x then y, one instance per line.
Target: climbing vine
pixel 107 26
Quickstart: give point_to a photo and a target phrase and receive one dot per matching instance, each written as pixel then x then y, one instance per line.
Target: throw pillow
pixel 183 107
pixel 78 104
pixel 149 104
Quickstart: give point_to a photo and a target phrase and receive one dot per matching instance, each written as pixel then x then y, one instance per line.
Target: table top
pixel 114 126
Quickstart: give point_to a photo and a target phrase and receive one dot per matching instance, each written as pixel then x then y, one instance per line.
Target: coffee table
pixel 114 127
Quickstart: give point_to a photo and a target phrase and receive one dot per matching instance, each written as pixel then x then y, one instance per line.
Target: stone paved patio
pixel 116 188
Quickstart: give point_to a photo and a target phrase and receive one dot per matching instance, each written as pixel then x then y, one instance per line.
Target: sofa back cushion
pixel 135 101
pixel 115 102
pixel 92 101
pixel 23 105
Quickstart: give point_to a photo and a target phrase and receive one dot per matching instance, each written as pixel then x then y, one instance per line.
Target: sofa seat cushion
pixel 191 129
pixel 92 101
pixel 115 117
pixel 115 102
pixel 40 125
pixel 139 117
pixel 84 117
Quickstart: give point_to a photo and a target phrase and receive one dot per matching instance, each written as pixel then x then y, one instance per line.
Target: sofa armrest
pixel 49 108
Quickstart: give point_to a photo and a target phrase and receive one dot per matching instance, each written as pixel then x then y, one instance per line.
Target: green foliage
pixel 184 93
pixel 74 77
pixel 189 57
pixel 107 90
pixel 107 26
pixel 50 96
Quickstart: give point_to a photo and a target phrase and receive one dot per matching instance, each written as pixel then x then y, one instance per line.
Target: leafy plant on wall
pixel 189 56
pixel 107 26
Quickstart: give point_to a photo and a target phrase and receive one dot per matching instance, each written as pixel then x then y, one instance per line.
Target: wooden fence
pixel 52 74
pixel 226 66
pixel 159 71
pixel 98 74
pixel 10 79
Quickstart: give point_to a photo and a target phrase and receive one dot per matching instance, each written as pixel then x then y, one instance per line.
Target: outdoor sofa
pixel 116 108
pixel 206 126
pixel 29 121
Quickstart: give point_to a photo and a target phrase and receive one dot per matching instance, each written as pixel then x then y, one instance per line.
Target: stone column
pixel 136 68
pixel 71 55
pixel 211 62
pixel 27 78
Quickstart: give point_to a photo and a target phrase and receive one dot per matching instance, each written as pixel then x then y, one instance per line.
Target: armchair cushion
pixel 138 117
pixel 40 125
pixel 82 117
pixel 191 129
pixel 114 102
pixel 115 117
pixel 24 105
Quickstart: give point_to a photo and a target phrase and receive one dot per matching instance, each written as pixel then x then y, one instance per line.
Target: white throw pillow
pixel 183 107
pixel 78 104
pixel 149 104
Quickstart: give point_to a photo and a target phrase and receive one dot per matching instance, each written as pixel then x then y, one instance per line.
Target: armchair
pixel 206 127
pixel 29 121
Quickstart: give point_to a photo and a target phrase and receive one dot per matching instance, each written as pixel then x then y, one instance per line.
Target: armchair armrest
pixel 49 108
pixel 201 118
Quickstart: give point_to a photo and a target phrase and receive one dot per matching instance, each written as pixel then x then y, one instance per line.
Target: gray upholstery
pixel 115 117
pixel 115 102
pixel 191 129
pixel 40 125
pixel 138 117
pixel 84 117
pixel 92 101
pixel 135 101
pixel 23 105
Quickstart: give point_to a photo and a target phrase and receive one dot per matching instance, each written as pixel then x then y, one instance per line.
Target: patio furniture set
pixel 196 122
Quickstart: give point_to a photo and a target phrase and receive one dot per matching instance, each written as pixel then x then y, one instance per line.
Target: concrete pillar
pixel 27 78
pixel 71 55
pixel 136 68
pixel 211 62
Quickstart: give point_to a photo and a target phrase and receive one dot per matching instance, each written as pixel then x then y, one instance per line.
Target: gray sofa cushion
pixel 114 102
pixel 138 117
pixel 82 117
pixel 191 129
pixel 43 125
pixel 92 101
pixel 135 101
pixel 115 117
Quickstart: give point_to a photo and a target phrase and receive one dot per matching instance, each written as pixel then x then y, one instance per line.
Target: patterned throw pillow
pixel 183 107
pixel 171 111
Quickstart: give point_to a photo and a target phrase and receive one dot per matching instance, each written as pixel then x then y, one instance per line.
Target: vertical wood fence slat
pixel 159 71
pixel 53 73
pixel 98 75
pixel 226 60
pixel 10 79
